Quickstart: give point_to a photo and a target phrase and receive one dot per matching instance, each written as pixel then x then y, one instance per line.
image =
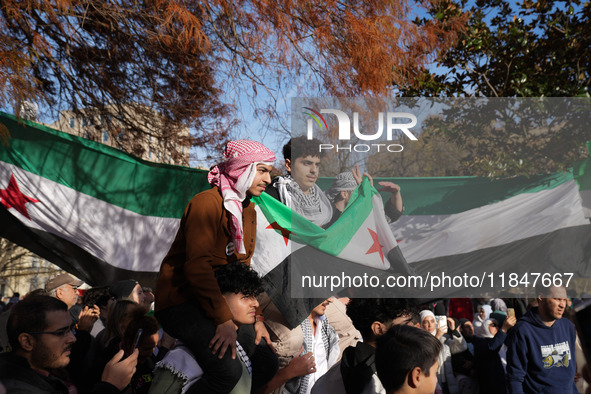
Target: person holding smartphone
pixel 453 343
pixel 41 334
pixel 142 333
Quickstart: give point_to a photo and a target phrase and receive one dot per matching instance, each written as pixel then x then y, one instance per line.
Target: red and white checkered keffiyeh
pixel 234 177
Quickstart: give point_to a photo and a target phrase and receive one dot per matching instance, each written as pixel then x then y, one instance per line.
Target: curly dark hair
pixel 99 296
pixel 364 311
pixel 148 324
pixel 239 278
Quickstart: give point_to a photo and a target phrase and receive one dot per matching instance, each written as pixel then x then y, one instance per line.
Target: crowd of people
pixel 208 326
pixel 114 343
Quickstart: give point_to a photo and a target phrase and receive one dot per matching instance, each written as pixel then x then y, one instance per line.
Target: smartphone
pixel 510 312
pixel 441 321
pixel 583 324
pixel 136 340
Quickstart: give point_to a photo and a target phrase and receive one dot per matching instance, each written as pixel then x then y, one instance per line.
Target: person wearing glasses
pixel 64 287
pixel 42 334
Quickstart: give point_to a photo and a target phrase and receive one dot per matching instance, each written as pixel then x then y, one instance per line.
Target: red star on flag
pixel 285 233
pixel 375 247
pixel 12 197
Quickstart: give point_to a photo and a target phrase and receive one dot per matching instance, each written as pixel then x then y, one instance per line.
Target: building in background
pixel 22 271
pixel 152 143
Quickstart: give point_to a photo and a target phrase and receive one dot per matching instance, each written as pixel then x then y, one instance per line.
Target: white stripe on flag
pixel 373 234
pixel 517 218
pixel 586 199
pixel 271 247
pixel 119 237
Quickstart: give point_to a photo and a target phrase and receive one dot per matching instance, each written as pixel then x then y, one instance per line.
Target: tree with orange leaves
pixel 189 60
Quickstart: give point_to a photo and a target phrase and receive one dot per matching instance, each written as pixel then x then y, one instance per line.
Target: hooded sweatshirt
pixel 540 359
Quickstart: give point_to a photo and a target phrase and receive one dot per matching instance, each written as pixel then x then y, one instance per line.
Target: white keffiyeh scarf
pixel 314 206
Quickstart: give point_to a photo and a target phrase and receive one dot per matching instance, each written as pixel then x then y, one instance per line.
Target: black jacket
pixel 357 367
pixel 17 376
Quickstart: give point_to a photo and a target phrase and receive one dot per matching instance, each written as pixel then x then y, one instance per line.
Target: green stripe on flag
pixel 336 237
pixel 147 188
pixel 582 171
pixel 163 190
pixel 358 209
pixel 450 195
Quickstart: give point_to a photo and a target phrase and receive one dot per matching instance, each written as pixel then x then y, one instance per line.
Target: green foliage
pixel 526 49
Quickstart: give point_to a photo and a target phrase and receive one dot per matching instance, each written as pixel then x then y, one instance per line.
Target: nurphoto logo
pixel 392 123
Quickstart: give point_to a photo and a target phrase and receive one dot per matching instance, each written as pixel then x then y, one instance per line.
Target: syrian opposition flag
pixel 304 264
pixel 519 228
pixel 104 215
pixel 581 174
pixel 453 228
pixel 96 212
pixel 361 235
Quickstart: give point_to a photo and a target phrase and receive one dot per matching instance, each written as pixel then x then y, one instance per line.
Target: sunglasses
pixel 62 332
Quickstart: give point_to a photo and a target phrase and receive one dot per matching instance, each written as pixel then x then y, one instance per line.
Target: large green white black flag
pixel 104 215
pixel 298 257
pixel 93 210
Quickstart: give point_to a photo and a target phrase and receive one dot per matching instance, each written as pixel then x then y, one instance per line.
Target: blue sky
pixel 256 127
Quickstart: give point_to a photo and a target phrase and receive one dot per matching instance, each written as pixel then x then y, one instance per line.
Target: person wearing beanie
pixel 128 289
pixel 499 316
pixel 218 227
